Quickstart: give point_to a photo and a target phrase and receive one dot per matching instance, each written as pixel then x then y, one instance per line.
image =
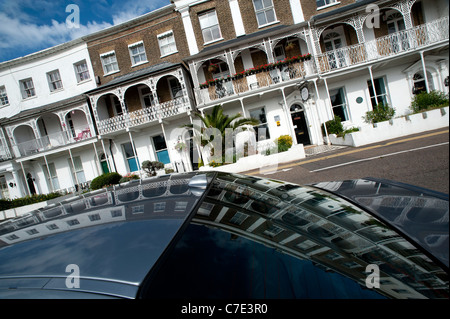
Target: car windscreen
pixel 261 238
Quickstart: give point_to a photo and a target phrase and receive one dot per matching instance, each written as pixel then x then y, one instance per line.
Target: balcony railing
pixel 49 142
pixel 390 45
pixel 418 37
pixel 254 79
pixel 143 116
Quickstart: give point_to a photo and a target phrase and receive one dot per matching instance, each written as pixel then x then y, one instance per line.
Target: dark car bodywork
pixel 220 235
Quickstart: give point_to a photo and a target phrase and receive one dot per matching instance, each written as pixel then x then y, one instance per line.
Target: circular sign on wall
pixel 359 100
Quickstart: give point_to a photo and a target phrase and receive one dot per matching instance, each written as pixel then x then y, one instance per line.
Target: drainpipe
pixel 112 156
pixel 106 156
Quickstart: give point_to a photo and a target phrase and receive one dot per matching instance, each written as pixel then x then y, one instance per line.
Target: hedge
pixel 28 200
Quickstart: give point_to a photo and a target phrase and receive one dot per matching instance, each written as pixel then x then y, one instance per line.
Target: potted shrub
pixel 380 113
pixel 150 167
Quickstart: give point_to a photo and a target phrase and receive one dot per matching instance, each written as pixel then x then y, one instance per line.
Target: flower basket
pixel 180 146
pixel 212 68
pixel 290 46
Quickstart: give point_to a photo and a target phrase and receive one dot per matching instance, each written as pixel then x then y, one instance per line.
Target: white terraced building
pixel 47 134
pixel 116 98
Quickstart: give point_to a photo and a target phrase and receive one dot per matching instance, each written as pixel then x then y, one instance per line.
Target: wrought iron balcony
pixel 259 77
pixel 49 142
pixel 143 116
pixel 391 45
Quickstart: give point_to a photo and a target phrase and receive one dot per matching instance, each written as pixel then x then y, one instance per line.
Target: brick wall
pixel 146 32
pixel 282 12
pixel 310 7
pixel 223 12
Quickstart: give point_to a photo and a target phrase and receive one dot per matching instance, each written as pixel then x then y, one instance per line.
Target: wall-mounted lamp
pixel 446 81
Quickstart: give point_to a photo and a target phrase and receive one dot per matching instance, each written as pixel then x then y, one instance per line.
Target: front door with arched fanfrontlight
pixel 300 125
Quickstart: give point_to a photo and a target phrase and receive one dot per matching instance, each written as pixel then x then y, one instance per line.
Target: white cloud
pixel 134 9
pixel 22 33
pixel 19 36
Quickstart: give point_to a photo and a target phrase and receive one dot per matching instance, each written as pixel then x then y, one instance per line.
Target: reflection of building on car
pixel 236 236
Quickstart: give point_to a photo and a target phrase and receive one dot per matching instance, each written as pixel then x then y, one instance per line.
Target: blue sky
pixel 27 26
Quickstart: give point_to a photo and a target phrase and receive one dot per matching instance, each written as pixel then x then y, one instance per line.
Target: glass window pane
pixel 132 164
pixel 261 18
pixel 258 4
pixel 267 3
pixel 159 142
pixel 163 157
pixel 270 16
pixel 207 37
pixel 128 149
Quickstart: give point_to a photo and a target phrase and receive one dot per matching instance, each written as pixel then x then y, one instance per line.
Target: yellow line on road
pixel 262 171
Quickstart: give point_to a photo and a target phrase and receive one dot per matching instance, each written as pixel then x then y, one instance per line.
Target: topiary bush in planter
pixel 105 180
pixel 150 167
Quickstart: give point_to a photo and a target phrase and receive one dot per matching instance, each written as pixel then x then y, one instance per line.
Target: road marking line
pixel 377 157
pixel 262 171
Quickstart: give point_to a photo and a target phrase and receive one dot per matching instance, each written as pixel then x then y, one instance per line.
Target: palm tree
pixel 216 119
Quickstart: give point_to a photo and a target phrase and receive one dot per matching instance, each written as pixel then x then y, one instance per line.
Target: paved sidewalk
pixel 319 149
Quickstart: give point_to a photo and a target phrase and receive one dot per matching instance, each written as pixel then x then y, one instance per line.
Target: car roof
pixel 111 237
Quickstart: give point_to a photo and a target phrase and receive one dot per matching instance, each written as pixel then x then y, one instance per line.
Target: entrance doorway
pixel 300 125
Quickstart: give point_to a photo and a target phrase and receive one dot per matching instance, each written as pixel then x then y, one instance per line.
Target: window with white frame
pixel 130 157
pixel 4 191
pixel 381 95
pixel 323 3
pixel 109 62
pixel 339 103
pixel 419 84
pixel 137 53
pixel 81 71
pixel 167 43
pixel 77 170
pixel 159 207
pixel 180 206
pixel 262 130
pixel 27 88
pixel 146 96
pixel 3 96
pixel 272 231
pixel 52 179
pixel 54 81
pixel 210 26
pixel 265 12
pixel 238 218
pixel 137 209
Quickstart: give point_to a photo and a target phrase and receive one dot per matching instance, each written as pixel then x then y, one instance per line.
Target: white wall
pixel 37 69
